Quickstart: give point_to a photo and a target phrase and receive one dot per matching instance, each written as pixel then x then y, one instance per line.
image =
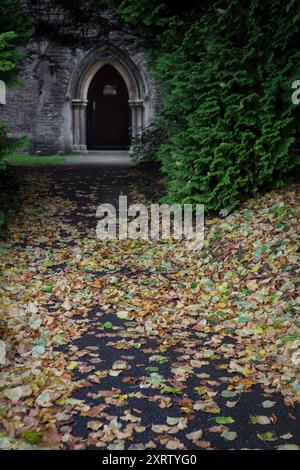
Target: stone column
pixel 79 125
pixel 137 112
pixel 140 116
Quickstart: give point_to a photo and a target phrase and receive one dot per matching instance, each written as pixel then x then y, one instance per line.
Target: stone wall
pixel 41 107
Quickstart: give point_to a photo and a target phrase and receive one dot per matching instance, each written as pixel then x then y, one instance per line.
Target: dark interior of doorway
pixel 108 111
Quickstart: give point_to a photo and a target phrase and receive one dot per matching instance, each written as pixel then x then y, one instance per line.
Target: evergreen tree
pixel 225 72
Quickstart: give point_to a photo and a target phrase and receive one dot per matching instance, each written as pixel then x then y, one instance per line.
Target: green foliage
pixel 225 76
pixel 7 58
pixel 144 146
pixel 5 147
pixel 15 30
pixel 23 159
pixel 8 182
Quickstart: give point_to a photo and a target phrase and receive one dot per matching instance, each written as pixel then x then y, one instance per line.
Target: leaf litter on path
pixel 109 332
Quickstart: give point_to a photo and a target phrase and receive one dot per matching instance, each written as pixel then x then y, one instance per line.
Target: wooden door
pixel 108 111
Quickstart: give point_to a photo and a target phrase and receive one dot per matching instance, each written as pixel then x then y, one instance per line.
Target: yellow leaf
pixel 246 371
pixel 101 373
pixel 72 365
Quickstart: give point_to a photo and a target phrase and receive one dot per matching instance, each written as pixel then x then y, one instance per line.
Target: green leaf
pixel 48 287
pixel 37 351
pixel 224 420
pixel 47 263
pixel 34 437
pixel 173 390
pixel 267 436
pixel 229 435
pixel 208 353
pixel 72 365
pixel 35 324
pixel 228 394
pixel 244 319
pixel 157 358
pixel 156 379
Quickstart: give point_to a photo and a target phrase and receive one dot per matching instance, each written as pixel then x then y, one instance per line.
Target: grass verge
pixel 20 160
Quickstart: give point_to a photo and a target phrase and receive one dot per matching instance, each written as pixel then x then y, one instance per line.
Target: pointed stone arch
pixel 140 105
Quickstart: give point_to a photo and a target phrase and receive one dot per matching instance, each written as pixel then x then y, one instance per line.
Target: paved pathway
pixel 121 369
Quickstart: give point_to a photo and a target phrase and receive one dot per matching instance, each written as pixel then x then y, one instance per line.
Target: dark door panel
pixel 108 111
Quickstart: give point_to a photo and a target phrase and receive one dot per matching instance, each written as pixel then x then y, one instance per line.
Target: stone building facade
pixel 50 106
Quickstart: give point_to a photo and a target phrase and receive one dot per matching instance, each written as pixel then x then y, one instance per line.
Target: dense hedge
pixel 225 72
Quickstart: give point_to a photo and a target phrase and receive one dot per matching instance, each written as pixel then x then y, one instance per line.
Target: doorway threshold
pixel 101 157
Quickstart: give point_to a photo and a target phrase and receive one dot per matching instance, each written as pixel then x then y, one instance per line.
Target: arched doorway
pixel 112 63
pixel 108 112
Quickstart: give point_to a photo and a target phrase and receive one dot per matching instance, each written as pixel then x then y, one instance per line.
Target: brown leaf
pixel 203 444
pixel 51 437
pixel 94 411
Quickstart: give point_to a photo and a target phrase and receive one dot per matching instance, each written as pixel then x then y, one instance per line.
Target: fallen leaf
pixel 94 425
pixel 224 420
pixel 263 420
pixel 195 436
pixel 268 404
pixel 174 444
pixel 229 435
pixel 51 437
pixel 13 394
pixel 267 436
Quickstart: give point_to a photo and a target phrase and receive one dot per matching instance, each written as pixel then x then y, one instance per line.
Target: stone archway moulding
pixel 81 80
